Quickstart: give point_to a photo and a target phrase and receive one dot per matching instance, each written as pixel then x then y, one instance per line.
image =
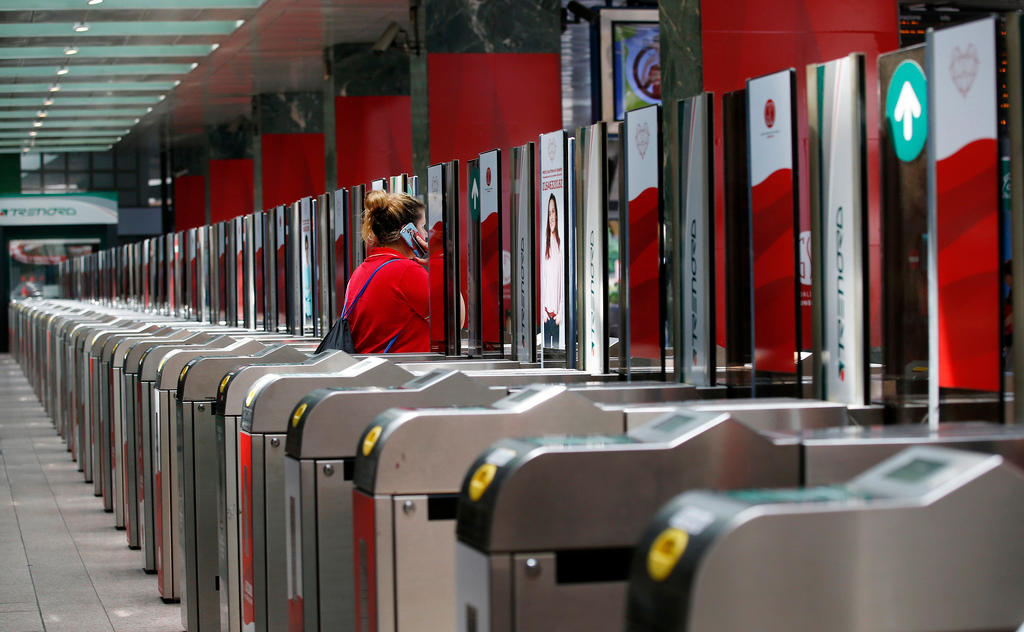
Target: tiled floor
pixel 63 566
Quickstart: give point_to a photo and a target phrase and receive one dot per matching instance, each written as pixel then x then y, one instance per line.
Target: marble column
pixel 370 123
pixel 488 75
pixel 231 181
pixel 288 149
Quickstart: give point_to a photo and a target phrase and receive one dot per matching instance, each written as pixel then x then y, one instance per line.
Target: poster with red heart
pixel 773 219
pixel 963 208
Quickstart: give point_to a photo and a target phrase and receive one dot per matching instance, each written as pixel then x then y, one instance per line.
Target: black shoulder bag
pixel 340 336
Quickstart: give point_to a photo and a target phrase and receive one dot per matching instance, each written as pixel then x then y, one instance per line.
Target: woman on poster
pixel 552 281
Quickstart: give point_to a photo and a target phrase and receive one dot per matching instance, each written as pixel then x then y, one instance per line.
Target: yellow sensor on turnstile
pixel 668 547
pixel 482 478
pixel 371 440
pixel 297 415
pixel 183 372
pixel 251 396
pixel 224 382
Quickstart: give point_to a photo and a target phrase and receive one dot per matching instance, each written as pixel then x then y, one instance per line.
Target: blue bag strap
pixel 388 348
pixel 347 311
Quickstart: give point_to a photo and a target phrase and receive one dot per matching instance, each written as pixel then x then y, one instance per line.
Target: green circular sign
pixel 906 110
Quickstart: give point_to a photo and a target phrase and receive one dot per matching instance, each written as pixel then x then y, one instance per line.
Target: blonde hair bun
pixel 384 215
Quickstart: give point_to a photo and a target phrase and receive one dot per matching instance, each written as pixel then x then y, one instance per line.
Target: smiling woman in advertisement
pixel 552 284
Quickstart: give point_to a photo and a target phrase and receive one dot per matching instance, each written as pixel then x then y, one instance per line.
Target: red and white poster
pixel 963 207
pixel 772 219
pixel 643 232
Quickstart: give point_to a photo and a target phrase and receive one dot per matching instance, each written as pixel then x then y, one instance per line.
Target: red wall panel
pixel 747 38
pixel 373 136
pixel 293 167
pixel 231 188
pixel 189 202
pixel 482 101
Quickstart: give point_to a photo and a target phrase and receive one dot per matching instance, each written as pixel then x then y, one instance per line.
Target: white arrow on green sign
pixel 906 109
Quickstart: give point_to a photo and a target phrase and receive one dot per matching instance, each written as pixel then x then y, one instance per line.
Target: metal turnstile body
pixel 928 540
pixel 144 357
pixel 320 459
pixel 265 419
pixel 198 464
pixel 124 368
pixel 232 392
pixel 546 525
pixel 408 472
pixel 166 450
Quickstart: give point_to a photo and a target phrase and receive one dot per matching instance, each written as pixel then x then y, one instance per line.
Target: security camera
pixel 387 38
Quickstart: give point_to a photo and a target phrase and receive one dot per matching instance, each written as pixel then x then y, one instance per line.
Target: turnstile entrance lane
pixel 166 498
pixel 145 357
pixel 232 392
pixel 408 471
pixel 320 458
pixel 928 540
pixel 115 419
pixel 198 467
pixel 546 525
pixel 265 419
pixel 123 360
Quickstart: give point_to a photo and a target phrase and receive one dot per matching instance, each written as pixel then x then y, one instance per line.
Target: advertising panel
pixel 552 249
pixel 645 334
pixel 523 254
pixel 62 208
pixel 696 240
pixel 491 274
pixel 839 222
pixel 592 252
pixel 963 209
pixel 435 242
pixel 771 134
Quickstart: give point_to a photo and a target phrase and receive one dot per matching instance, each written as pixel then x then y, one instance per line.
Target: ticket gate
pixel 564 563
pixel 74 381
pixel 166 449
pixel 198 466
pixel 322 443
pixel 320 458
pixel 545 534
pixel 101 411
pixel 125 416
pixel 927 540
pixel 407 475
pixel 232 392
pixel 115 417
pixel 265 418
pixel 146 421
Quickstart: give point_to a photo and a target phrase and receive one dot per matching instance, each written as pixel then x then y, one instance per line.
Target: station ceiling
pixel 81 75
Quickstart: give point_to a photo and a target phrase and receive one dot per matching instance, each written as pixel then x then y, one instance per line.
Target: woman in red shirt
pixel 392 314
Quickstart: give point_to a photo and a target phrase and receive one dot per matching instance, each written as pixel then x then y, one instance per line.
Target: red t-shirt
pixel 395 303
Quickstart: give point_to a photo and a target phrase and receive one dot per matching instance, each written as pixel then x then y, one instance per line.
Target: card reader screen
pixel 916 470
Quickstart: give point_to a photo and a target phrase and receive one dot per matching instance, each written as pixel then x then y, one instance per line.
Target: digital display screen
pixel 915 471
pixel 637 66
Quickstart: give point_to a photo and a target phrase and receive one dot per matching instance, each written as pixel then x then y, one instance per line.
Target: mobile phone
pixel 408 233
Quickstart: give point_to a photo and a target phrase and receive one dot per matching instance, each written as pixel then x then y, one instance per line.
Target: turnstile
pixel 166 448
pixel 408 471
pixel 928 540
pixel 320 458
pixel 546 525
pixel 232 392
pixel 265 418
pixel 144 357
pixel 564 562
pixel 198 465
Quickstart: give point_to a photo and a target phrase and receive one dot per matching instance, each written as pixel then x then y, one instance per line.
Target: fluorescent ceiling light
pixel 32 133
pixel 48 101
pixel 75 113
pixel 161 28
pixel 112 125
pixel 77 101
pixel 105 52
pixel 42 113
pixel 89 86
pixel 63 70
pixel 95 2
pixel 37 124
pixel 89 70
pixel 55 87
